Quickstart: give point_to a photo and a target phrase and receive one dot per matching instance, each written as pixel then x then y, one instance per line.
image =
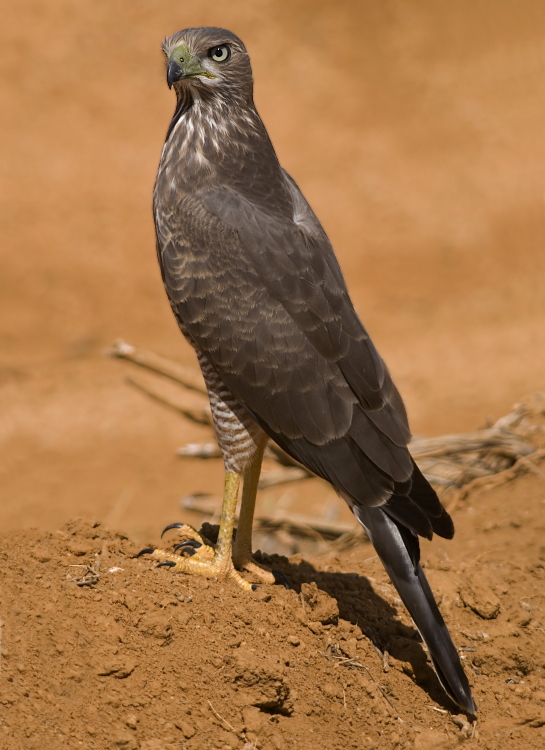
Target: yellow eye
pixel 220 54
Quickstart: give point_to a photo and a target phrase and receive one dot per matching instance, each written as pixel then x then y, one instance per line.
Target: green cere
pixel 190 64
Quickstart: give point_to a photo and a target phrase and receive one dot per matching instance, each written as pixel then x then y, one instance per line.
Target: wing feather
pixel 264 297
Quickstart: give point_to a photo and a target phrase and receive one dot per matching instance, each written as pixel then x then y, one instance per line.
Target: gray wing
pixel 262 294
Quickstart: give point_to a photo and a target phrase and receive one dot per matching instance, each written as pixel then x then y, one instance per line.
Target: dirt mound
pixel 101 650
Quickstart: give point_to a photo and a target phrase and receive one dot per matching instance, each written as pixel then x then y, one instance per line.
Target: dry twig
pixel 333 651
pixel 91 574
pixel 488 482
pixel 220 718
pixel 187 407
pixel 189 377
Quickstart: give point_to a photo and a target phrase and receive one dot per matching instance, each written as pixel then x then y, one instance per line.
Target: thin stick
pixel 381 691
pixel 220 717
pixel 189 377
pixel 333 652
pixel 489 482
pixel 447 445
pixel 180 403
pixel 199 450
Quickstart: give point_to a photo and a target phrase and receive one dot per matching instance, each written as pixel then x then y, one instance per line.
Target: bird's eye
pixel 220 54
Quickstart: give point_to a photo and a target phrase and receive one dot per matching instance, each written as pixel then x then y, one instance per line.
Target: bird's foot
pixel 191 542
pixel 194 556
pixel 255 569
pixel 263 574
pixel 217 568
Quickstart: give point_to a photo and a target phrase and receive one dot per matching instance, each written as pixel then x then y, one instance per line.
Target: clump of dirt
pixel 102 650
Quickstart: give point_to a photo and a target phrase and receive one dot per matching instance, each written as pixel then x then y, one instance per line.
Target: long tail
pixel 398 550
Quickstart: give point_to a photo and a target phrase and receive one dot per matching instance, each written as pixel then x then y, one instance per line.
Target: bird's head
pixel 209 60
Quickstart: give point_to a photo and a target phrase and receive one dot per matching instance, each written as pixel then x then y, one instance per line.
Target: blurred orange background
pixel 416 130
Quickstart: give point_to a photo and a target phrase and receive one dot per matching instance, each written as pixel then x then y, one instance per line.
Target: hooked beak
pixel 175 73
pixel 182 64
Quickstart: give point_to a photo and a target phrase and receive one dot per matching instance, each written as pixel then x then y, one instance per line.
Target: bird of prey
pixel 257 291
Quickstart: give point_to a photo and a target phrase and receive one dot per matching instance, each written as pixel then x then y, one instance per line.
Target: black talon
pixel 167 564
pixel 188 543
pixel 280 579
pixel 146 551
pixel 171 526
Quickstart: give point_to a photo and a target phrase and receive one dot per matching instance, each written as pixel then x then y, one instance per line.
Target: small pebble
pixel 186 729
pixel 131 721
pixel 261 596
pixel 293 640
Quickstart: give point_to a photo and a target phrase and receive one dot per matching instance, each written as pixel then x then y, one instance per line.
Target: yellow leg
pixel 220 565
pixel 242 546
pixel 227 520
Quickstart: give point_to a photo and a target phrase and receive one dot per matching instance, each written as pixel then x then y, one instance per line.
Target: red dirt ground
pixel 416 131
pixel 147 660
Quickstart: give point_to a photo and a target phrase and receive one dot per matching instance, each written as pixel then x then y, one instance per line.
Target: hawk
pixel 257 291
